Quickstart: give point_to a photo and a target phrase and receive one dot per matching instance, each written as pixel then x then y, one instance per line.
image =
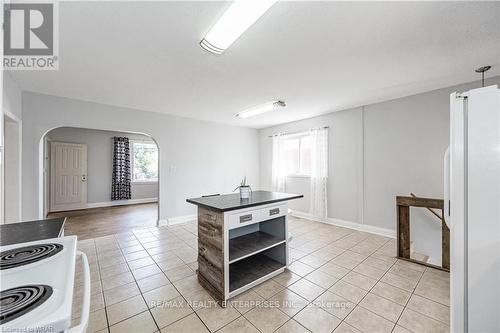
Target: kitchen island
pixel 241 242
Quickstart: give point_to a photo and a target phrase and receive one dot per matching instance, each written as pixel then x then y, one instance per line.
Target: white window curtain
pixel 319 172
pixel 278 176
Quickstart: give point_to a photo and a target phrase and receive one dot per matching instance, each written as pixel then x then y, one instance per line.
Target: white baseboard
pixel 120 202
pixel 347 224
pixel 179 219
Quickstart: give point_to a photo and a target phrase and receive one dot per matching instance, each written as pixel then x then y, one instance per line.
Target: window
pixel 144 162
pixel 298 155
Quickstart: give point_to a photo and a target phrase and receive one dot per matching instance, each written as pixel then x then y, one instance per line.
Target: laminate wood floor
pixel 98 222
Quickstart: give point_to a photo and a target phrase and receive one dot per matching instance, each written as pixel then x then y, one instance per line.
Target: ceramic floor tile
pixel 266 319
pixel 200 300
pixel 239 325
pixel 399 281
pixel 188 285
pixel 400 329
pixel 369 271
pixel 246 301
pixel 413 266
pixel 334 251
pixel 97 321
pixel 313 260
pixel 289 302
pixel 159 296
pixel 121 293
pixel 306 289
pixel 286 278
pixel 141 323
pixel 392 293
pixel 348 291
pixel 406 272
pixel 171 311
pixel 152 282
pixel 146 271
pixel 368 322
pixel 113 270
pixel 268 289
pixel 346 328
pixel 334 304
pixel 381 306
pixel 292 326
pixel 142 262
pixel 359 280
pixel 437 294
pixel 189 324
pixel 300 268
pixel 215 317
pixel 378 263
pixel 317 320
pixel 334 270
pixel 417 322
pixel 126 309
pixel 322 279
pixel 117 280
pixel 178 273
pixel 430 308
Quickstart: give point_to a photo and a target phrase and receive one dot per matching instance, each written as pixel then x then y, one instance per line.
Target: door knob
pixel 84 178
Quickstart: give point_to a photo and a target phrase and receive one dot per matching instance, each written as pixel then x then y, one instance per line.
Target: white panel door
pixel 68 176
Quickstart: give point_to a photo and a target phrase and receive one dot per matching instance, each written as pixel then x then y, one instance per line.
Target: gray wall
pixel 377 152
pixel 11 96
pixel 100 161
pixel 196 157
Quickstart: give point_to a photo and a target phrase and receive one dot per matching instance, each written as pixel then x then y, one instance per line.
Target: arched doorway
pixel 83 193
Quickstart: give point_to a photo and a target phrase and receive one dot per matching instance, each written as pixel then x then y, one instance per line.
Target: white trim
pixel 347 224
pixel 120 202
pixel 178 219
pixel 144 182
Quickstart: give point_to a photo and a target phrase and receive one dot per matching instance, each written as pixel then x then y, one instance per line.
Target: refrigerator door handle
pixel 446 190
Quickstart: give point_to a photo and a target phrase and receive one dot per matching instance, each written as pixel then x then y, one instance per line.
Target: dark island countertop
pixel 227 202
pixel 23 232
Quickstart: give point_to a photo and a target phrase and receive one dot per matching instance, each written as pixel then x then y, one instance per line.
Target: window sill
pixel 144 182
pixel 298 175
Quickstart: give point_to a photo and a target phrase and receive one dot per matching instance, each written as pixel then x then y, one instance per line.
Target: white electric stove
pixel 36 280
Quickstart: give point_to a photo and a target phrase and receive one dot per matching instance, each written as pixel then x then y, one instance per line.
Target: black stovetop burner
pixel 17 301
pixel 27 255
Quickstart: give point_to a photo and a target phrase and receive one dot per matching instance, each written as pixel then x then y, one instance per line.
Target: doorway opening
pixel 103 182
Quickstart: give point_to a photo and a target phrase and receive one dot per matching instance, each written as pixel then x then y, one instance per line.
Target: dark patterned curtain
pixel 120 186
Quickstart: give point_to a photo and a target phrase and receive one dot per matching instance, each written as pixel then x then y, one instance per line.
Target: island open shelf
pixel 255 238
pixel 249 270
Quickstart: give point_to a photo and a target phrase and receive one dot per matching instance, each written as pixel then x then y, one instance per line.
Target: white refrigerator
pixel 472 200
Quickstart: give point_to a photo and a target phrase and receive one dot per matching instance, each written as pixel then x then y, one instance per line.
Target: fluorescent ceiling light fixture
pixel 233 23
pixel 261 109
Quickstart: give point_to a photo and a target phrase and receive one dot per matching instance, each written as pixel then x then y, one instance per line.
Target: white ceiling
pixel 317 56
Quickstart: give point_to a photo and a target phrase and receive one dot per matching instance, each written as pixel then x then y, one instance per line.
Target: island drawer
pixel 274 211
pixel 245 218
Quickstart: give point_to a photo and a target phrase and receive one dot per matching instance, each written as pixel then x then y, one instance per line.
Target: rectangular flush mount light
pixel 261 109
pixel 233 23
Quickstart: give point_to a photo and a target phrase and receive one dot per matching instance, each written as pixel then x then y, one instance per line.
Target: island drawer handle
pixel 245 218
pixel 274 211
